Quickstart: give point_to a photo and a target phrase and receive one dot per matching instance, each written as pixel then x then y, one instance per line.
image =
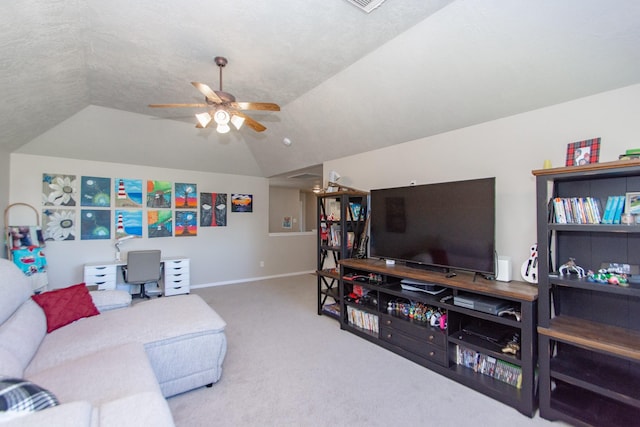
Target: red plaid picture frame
pixel 583 152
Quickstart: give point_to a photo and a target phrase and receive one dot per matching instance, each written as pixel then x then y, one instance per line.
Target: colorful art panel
pixel 128 193
pixel 159 194
pixel 241 203
pixel 160 223
pixel 95 191
pixel 186 223
pixel 95 224
pixel 213 209
pixel 128 223
pixel 186 196
pixel 59 224
pixel 59 190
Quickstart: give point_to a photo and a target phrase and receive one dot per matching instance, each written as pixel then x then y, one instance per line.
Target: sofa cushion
pixel 19 396
pixel 150 409
pixel 110 299
pixel 75 414
pixel 66 305
pixel 102 376
pixel 161 319
pixel 15 289
pixel 20 338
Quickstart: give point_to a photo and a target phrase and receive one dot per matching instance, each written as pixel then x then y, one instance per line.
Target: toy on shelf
pixel 570 267
pixel 603 276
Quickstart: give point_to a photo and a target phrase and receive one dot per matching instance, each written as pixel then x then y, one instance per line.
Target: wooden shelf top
pixel 592 167
pixel 463 280
pixel 597 336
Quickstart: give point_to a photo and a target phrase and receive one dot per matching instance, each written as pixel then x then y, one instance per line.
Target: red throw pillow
pixel 63 306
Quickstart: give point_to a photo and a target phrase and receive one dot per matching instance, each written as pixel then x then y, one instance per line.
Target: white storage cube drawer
pixel 176 276
pixel 102 276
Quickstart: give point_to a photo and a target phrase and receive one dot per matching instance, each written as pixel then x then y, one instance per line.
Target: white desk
pixel 106 275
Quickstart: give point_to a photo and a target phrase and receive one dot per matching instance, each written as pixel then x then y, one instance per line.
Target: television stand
pixel 432 331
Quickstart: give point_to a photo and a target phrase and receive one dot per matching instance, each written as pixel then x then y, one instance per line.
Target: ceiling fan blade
pixel 178 105
pixel 208 92
pixel 250 122
pixel 267 106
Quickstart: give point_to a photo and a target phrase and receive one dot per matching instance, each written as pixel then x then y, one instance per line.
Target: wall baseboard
pixel 251 279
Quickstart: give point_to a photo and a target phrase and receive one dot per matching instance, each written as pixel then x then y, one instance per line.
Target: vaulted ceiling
pixel 347 81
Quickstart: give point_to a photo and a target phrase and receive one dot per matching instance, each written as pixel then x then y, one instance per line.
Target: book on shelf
pixel 351 237
pixel 614 209
pixel 335 235
pixel 356 208
pixel 619 209
pixel 362 319
pixel 332 308
pixel 489 365
pixel 576 210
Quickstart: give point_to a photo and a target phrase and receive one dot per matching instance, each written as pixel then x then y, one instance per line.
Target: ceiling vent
pixel 366 5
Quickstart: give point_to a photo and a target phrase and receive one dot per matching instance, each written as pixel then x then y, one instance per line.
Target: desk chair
pixel 142 267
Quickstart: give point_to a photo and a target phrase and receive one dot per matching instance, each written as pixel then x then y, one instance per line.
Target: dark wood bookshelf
pixel 330 253
pixel 589 333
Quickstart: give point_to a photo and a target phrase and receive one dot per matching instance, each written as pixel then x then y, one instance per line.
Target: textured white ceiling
pixel 347 81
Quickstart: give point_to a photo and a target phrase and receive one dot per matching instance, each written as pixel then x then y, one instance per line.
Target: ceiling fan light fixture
pixel 204 119
pixel 223 128
pixel 237 121
pixel 221 117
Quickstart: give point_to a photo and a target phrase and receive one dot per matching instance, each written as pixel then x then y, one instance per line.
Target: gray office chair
pixel 142 267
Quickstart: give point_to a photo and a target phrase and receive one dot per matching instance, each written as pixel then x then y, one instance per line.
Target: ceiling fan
pixel 222 107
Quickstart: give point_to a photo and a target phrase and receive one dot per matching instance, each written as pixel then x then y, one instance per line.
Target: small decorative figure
pixel 570 267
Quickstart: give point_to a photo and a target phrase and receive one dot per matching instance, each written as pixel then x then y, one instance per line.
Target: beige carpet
pixel 287 366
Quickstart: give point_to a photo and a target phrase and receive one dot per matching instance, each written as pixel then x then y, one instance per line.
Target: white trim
pixel 293 233
pixel 252 279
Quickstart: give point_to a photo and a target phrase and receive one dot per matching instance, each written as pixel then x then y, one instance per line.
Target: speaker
pixel 504 269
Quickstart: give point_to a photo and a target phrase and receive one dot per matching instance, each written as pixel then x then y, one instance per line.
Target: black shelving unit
pixel 341 234
pixel 370 289
pixel 589 333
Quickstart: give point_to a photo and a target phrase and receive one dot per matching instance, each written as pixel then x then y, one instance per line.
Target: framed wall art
pixel 583 152
pixel 95 191
pixel 213 209
pixel 186 196
pixel 95 224
pixel 159 194
pixel 160 223
pixel 186 223
pixel 59 190
pixel 59 224
pixel 128 193
pixel 241 203
pixel 128 222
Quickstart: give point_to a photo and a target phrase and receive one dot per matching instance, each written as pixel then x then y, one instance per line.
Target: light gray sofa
pixel 112 369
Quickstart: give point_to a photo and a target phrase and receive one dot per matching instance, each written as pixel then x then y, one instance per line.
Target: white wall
pixel 284 202
pixel 300 205
pixel 218 254
pixel 508 149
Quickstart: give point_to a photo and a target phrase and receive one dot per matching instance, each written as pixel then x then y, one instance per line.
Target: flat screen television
pixel 446 226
